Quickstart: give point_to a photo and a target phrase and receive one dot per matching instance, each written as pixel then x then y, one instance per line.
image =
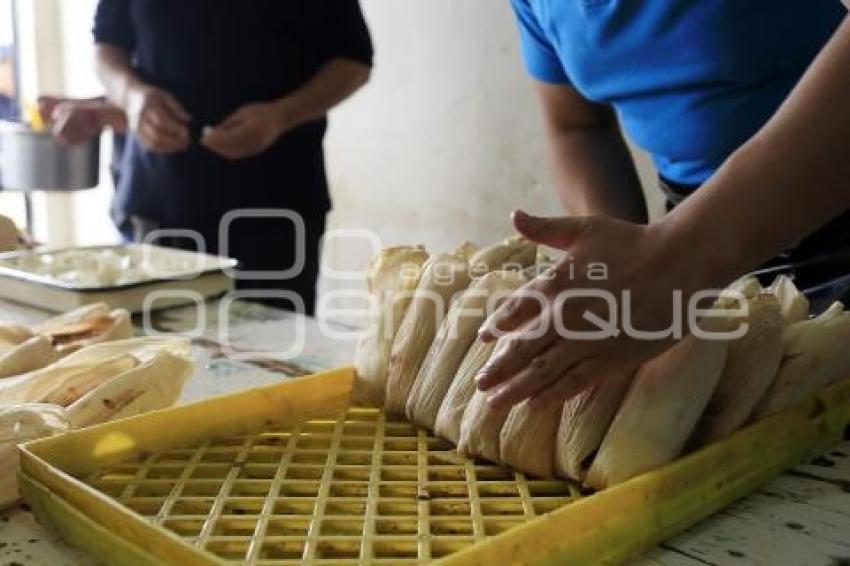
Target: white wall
pixel 447 138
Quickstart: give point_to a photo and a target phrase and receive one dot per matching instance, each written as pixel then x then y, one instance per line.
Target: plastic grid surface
pixel 357 490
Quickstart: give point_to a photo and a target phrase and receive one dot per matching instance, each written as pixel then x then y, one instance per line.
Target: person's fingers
pixel 523 305
pixel 576 380
pixel 556 232
pixel 514 351
pixel 47 106
pixel 158 141
pixel 173 106
pixel 164 123
pixel 236 141
pixel 543 371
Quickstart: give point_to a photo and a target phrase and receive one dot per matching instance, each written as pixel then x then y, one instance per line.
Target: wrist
pixel 127 85
pixel 287 114
pixel 688 248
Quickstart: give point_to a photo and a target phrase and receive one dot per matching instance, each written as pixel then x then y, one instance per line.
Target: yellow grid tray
pixel 290 474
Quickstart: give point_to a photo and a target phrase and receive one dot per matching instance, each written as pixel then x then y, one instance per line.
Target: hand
pixel 248 132
pixel 75 122
pixel 532 354
pixel 47 104
pixel 157 118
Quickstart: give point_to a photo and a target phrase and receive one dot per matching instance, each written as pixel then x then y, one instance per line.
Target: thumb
pixel 555 232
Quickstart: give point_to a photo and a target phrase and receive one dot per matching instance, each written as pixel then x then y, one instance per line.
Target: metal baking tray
pixel 177 276
pixel 292 474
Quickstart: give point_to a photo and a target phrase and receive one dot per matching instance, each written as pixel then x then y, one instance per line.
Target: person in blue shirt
pixel 745 110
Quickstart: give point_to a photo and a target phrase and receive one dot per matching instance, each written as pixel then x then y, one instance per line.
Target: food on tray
pixel 30 355
pixel 751 367
pixel 661 409
pixel 19 424
pixel 527 439
pixel 86 326
pixel 816 355
pixel 10 236
pixel 460 392
pixel 515 253
pixel 393 276
pixel 622 422
pixel 25 350
pixel 108 267
pixel 585 420
pixel 481 428
pixel 454 338
pixel 795 305
pixel 155 384
pixel 443 277
pixel 91 386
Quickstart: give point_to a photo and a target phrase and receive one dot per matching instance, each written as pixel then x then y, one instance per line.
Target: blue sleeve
pixel 113 24
pixel 541 60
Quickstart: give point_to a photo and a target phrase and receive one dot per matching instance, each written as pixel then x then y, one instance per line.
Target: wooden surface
pixel 801 518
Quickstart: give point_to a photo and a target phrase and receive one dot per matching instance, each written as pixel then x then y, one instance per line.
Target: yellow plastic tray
pixel 290 474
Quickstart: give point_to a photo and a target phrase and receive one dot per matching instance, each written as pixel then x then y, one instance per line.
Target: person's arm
pixel 254 128
pixel 154 115
pixel 792 177
pixel 347 52
pixel 75 121
pixel 593 171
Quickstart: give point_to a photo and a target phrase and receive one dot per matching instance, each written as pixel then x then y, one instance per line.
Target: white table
pixel 800 519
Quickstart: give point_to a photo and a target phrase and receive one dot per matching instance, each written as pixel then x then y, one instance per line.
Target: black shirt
pixel 215 56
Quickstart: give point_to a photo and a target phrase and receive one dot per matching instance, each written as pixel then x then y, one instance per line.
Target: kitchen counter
pixel 801 518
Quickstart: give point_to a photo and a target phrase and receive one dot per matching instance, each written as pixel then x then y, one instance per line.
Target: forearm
pixel 116 73
pixel 788 180
pixel 334 82
pixel 594 174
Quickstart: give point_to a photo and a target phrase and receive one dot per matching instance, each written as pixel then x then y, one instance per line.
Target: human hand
pixel 75 122
pixel 607 257
pixel 248 132
pixel 157 118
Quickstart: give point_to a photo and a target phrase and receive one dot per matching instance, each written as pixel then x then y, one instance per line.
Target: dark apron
pixel 819 265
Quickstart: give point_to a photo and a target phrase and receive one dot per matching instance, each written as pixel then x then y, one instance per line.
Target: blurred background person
pixel 226 106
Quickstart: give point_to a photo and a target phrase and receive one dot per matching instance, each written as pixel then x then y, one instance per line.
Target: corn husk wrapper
pixel 444 276
pixel 527 438
pixel 467 250
pixel 156 384
pixel 35 353
pixel 393 276
pixel 751 367
pixel 816 355
pixel 515 253
pixel 480 428
pixel 453 340
pixel 794 305
pixel 9 235
pixel 12 336
pixel 585 419
pixel 19 424
pixel 86 326
pixel 747 287
pixel 460 392
pixel 660 410
pixel 70 373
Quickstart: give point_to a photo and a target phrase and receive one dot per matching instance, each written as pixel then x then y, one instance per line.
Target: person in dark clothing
pixel 226 104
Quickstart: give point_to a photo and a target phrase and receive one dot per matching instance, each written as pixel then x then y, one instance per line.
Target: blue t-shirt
pixel 691 80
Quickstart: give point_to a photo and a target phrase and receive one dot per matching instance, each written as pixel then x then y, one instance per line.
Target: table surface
pixel 801 518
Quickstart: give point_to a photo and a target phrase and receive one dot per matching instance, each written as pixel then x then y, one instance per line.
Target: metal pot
pixel 35 161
